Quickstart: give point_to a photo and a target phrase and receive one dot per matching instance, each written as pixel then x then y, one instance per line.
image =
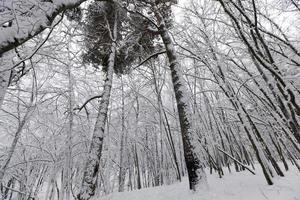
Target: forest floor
pixel 232 186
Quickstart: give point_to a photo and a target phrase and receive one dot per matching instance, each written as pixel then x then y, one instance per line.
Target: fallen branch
pixel 236 160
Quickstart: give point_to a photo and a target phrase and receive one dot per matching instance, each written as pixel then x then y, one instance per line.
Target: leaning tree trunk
pixel 18 134
pixel 194 165
pixel 89 181
pixel 13 145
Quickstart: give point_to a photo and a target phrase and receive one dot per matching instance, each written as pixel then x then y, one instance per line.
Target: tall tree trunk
pixel 68 161
pixel 91 169
pixel 194 165
pixel 136 156
pixel 122 168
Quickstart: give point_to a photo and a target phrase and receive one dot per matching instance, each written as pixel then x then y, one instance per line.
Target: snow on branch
pixel 22 20
pixel 236 161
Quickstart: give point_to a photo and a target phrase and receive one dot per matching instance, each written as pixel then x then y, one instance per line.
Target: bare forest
pixel 149 99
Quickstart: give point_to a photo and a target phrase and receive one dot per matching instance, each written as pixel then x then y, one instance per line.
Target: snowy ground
pixel 234 186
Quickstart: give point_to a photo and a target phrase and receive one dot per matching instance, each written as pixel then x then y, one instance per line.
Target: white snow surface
pixel 233 186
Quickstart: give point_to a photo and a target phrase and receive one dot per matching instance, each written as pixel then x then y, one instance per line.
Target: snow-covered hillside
pixel 234 186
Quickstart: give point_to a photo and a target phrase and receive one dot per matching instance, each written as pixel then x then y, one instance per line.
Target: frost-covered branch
pixel 236 161
pixel 28 19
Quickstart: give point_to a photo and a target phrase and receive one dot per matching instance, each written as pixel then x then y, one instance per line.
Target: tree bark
pixel 122 168
pixel 89 181
pixel 5 62
pixel 194 165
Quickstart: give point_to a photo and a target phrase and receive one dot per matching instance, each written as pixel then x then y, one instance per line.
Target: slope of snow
pixel 234 186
